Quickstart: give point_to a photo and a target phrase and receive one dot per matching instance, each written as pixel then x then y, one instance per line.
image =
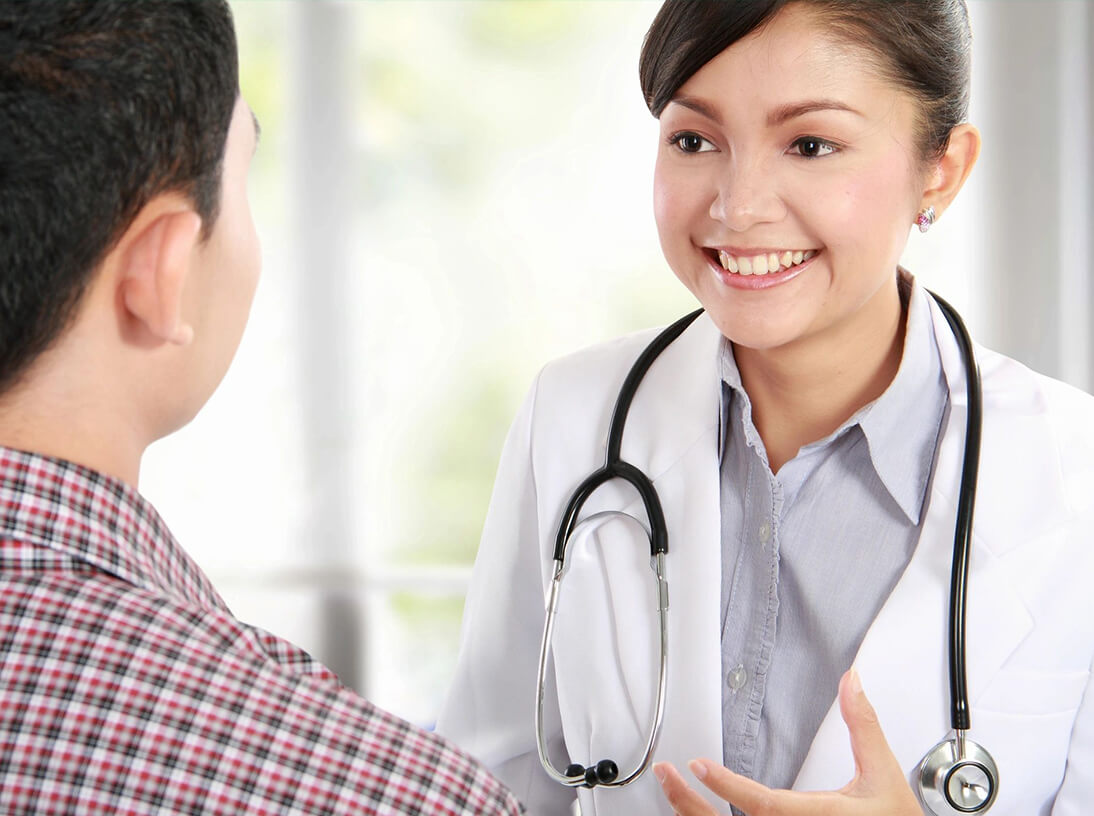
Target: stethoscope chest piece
pixel 958 776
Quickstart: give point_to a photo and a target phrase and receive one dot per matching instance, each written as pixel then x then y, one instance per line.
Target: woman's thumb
pixel 874 759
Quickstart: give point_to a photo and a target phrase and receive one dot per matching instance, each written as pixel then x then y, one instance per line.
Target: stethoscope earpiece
pixel 603 773
pixel 958 776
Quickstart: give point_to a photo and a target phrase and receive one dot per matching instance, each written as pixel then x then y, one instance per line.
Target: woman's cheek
pixel 873 201
pixel 671 210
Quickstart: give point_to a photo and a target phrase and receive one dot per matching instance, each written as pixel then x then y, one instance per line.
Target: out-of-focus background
pixel 452 192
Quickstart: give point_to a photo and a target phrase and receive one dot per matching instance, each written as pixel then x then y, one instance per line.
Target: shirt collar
pixel 99 520
pixel 901 426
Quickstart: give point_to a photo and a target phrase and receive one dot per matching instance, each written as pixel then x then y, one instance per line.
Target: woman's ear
pixel 948 175
pixel 155 258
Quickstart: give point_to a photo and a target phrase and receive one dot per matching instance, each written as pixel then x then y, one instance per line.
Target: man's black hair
pixel 104 104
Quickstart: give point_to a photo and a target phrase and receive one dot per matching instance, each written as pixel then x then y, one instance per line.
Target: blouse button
pixel 737 678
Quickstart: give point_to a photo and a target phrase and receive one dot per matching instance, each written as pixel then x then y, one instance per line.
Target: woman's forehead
pixel 792 60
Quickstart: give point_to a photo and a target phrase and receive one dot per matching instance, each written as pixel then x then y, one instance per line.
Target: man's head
pixel 104 105
pixel 128 258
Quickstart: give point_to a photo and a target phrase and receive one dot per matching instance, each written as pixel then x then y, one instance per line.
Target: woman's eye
pixel 691 143
pixel 812 148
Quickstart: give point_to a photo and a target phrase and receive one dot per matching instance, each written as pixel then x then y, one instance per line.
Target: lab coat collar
pixel 902 451
pixel 679 398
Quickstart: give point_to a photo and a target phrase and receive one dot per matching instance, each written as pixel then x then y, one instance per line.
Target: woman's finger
pixel 684 800
pixel 755 798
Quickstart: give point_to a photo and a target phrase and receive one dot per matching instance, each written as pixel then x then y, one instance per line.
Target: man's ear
pixel 155 257
pixel 948 175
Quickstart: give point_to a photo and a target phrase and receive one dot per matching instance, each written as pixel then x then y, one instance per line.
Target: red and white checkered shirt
pixel 127 687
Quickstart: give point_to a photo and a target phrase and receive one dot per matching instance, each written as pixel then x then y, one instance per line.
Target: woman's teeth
pixel 763 264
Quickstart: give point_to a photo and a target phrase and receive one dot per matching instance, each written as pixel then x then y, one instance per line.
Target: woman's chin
pixel 750 330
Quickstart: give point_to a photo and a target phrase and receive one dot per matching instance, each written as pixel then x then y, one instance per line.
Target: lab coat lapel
pixel 671 434
pixel 903 659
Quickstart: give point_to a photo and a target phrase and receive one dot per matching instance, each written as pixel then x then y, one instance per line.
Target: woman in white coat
pixel 805 437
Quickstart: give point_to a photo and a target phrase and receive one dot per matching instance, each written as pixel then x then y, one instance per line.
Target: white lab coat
pixel 1030 602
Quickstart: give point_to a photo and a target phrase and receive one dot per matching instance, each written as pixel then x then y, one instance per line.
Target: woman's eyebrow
pixel 699 106
pixel 777 116
pixel 785 113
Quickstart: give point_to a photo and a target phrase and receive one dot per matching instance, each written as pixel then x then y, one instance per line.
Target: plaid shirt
pixel 127 687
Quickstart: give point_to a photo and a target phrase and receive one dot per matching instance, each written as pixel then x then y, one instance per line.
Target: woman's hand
pixel 879 785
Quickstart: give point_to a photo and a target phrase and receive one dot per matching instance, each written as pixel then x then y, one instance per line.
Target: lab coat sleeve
pixel 1077 791
pixel 1075 448
pixel 490 708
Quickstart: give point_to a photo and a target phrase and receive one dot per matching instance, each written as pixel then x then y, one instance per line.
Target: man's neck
pixel 47 416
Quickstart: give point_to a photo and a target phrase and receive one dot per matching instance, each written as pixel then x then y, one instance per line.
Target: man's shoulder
pixel 160 694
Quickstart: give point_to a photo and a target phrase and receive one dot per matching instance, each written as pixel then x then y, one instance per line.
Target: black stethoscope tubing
pixel 966 501
pixel 614 466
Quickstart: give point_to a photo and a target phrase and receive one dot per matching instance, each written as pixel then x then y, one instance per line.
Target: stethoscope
pixel 957 775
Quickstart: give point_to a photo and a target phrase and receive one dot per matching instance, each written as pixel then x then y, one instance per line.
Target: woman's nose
pixel 746 196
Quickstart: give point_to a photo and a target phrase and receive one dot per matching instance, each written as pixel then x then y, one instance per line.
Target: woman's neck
pixel 805 390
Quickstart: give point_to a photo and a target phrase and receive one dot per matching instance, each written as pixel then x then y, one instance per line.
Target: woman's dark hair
pixel 104 104
pixel 920 45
